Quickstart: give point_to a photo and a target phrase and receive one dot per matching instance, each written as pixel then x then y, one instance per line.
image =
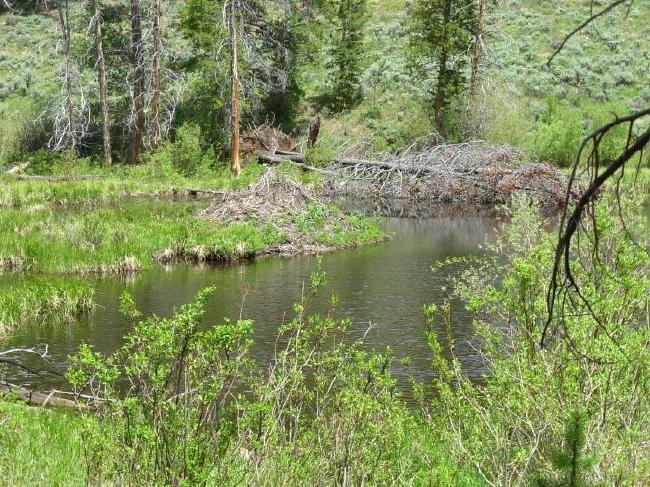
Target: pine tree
pixel 347 53
pixel 441 34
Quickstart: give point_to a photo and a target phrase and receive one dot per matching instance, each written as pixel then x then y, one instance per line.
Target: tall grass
pixel 113 240
pixel 40 447
pixel 44 299
pixel 116 184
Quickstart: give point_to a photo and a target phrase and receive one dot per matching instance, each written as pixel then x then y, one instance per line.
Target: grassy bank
pixel 128 220
pixel 134 235
pixel 84 184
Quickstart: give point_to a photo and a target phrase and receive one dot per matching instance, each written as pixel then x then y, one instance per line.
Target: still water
pixel 383 287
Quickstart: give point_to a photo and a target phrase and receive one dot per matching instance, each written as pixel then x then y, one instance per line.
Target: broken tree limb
pixel 281 159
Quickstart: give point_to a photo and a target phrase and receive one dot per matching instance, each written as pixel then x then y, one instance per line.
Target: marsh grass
pixel 44 299
pixel 122 239
pixel 98 185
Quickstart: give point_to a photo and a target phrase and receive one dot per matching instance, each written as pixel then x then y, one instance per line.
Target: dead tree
pixel 64 137
pixel 156 76
pixel 137 113
pixel 235 167
pixel 103 83
pixel 476 61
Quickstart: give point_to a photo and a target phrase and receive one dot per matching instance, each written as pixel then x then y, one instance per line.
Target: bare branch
pixel 570 224
pixel 591 19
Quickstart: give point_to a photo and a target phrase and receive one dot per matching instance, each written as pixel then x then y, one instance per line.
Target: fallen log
pixel 196 192
pixel 291 159
pixel 18 168
pixel 54 179
pixel 297 158
pixel 37 398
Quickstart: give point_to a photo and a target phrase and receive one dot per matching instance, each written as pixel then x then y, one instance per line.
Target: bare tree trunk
pixel 441 90
pixel 155 77
pixel 234 115
pixel 103 85
pixel 135 141
pixel 68 130
pixel 441 93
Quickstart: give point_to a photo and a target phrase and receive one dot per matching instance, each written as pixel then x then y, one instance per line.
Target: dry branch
pixel 463 174
pixel 18 168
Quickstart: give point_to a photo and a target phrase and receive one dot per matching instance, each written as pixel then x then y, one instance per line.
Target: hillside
pixel 603 70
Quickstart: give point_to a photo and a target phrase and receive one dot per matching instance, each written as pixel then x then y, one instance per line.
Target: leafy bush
pixel 178 413
pixel 18 131
pixel 559 135
pixel 544 411
pixel 183 155
pixel 179 404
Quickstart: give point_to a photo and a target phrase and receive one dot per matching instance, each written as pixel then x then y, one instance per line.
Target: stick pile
pixel 462 174
pixel 272 196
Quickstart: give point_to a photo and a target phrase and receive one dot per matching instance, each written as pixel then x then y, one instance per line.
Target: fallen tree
pixel 465 174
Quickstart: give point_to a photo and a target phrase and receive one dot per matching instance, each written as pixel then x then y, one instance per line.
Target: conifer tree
pixel 441 36
pixel 347 53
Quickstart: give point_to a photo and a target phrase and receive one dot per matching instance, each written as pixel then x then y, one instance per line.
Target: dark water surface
pixel 385 285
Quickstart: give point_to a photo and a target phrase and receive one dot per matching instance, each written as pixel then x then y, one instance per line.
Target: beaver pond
pixel 382 288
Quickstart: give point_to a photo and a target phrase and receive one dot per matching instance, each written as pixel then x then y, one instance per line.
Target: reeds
pixel 44 300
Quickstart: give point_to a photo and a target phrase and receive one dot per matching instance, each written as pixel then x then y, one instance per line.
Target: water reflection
pixel 384 285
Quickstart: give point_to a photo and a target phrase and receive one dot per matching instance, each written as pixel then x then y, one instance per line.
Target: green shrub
pixel 559 134
pixel 183 155
pixel 18 131
pixel 514 428
pixel 175 422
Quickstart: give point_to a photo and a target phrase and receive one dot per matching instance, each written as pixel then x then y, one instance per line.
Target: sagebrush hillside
pixel 601 72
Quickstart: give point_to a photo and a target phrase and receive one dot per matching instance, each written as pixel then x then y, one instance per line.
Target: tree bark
pixel 441 90
pixel 476 61
pixel 135 139
pixel 103 84
pixel 235 167
pixel 155 77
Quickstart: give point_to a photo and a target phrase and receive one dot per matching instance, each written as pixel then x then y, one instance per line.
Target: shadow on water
pixel 384 285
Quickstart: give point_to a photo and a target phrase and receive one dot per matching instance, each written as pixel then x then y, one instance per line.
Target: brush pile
pixel 303 220
pixel 462 174
pixel 264 139
pixel 272 197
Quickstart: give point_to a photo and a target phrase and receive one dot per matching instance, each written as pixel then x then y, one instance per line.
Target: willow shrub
pixel 574 412
pixel 181 404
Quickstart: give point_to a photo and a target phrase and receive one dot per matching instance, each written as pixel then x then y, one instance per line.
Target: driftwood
pixel 37 398
pixel 18 168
